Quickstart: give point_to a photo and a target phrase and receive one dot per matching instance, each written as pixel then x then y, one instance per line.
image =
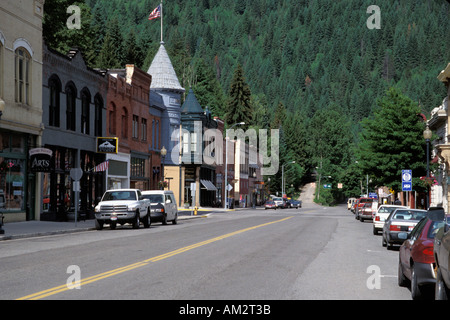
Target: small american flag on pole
pixel 102 166
pixel 155 13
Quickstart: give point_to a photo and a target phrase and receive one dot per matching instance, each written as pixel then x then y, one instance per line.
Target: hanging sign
pixel 40 159
pixel 107 145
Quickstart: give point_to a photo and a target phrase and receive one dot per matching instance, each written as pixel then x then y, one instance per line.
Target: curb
pixel 75 230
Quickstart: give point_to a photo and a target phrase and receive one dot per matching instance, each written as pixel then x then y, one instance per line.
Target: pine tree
pixel 392 140
pixel 112 53
pixel 239 108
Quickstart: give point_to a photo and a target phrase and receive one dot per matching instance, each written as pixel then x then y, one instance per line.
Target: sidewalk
pixel 29 229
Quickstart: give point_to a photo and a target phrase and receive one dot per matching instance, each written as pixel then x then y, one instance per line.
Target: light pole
pixel 226 163
pixel 282 177
pixel 427 134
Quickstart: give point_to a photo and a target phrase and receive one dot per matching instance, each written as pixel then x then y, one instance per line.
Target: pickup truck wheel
pixel 175 221
pixel 147 220
pixel 137 220
pixel 441 291
pixel 98 224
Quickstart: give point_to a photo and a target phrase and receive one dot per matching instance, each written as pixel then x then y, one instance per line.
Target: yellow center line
pixel 104 275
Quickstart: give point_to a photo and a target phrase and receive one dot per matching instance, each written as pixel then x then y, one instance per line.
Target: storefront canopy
pixel 208 185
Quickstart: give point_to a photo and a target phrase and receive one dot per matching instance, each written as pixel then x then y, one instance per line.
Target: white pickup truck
pixel 122 206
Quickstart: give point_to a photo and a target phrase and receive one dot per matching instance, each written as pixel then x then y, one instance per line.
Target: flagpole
pixel 162 21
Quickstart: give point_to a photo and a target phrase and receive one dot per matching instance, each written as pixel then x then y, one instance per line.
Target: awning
pixel 208 185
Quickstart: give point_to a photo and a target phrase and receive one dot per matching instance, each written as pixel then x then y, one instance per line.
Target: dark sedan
pixel 416 259
pixel 295 204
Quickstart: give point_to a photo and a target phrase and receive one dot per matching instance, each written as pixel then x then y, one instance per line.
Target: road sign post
pixel 406 180
pixel 76 174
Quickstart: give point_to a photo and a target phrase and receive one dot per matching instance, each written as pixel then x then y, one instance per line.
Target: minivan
pixel 163 205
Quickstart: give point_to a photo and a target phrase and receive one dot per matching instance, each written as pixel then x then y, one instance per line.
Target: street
pixel 293 254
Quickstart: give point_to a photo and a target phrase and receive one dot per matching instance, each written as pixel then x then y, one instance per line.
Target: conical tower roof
pixel 162 72
pixel 191 104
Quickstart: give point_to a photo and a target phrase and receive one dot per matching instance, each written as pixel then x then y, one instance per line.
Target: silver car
pixel 400 220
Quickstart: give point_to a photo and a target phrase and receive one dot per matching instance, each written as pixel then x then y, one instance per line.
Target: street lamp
pixel 427 134
pixel 226 163
pixel 163 153
pixel 282 177
pixel 2 107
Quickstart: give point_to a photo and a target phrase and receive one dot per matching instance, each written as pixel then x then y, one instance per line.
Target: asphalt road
pixel 310 253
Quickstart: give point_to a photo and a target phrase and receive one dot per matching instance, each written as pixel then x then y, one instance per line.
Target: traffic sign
pixel 407 180
pixel 406 186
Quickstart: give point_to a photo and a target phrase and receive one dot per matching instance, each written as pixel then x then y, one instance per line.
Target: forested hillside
pixel 314 68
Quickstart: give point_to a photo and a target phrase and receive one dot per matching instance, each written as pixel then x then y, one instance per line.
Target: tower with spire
pixel 166 87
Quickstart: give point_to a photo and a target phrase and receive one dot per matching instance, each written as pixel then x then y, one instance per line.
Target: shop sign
pixel 107 145
pixel 40 159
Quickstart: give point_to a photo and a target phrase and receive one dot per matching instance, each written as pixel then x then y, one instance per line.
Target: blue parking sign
pixel 407 180
pixel 406 186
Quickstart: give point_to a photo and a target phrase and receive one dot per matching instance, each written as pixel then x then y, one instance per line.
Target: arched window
pixel 22 66
pixel 71 106
pixel 98 102
pixel 54 86
pixel 85 108
pixel 112 119
pixel 124 123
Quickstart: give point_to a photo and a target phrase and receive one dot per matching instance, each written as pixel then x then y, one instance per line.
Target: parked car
pixel 382 214
pixel 270 205
pixel 163 205
pixel 122 206
pixel 295 204
pixel 350 202
pixel 368 211
pixel 400 220
pixel 361 202
pixel 441 250
pixel 416 258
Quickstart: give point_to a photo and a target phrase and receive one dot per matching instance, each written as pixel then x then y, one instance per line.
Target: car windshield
pixel 387 209
pixel 269 202
pixel 277 199
pixel 409 215
pixel 154 198
pixel 434 227
pixel 119 195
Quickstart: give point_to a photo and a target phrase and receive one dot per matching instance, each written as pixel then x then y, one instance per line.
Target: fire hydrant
pixel 195 210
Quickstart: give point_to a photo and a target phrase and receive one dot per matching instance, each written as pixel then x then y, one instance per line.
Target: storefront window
pixel 12 183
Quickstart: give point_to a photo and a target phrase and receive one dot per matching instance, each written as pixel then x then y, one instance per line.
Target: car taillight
pixel 377 218
pixel 394 227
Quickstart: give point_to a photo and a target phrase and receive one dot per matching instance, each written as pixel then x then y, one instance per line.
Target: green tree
pixel 58 36
pixel 392 141
pixel 112 54
pixel 239 108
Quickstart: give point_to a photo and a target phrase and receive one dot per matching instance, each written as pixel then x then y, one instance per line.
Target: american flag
pixel 155 13
pixel 102 166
